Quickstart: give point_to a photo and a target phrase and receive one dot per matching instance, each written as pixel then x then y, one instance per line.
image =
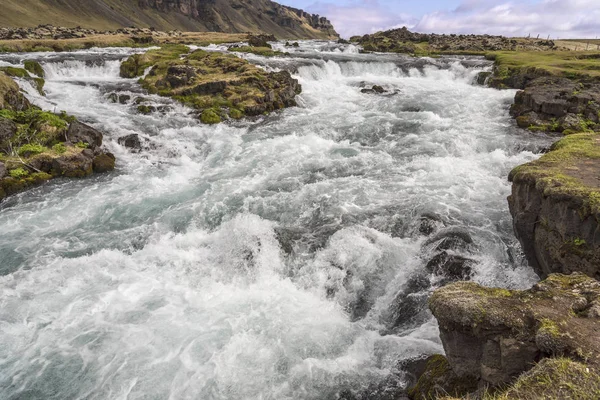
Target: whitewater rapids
pixel 212 266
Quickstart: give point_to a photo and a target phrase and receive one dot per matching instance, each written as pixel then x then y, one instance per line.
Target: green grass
pixel 569 64
pixel 553 378
pixel 557 172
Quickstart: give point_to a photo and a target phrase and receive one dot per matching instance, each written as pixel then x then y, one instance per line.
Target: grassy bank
pixel 569 64
pixel 117 40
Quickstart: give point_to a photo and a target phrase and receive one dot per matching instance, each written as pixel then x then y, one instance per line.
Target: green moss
pixel 235 113
pixel 28 150
pixel 553 378
pixel 18 173
pixel 549 327
pixel 35 68
pixel 210 117
pixel 82 145
pixel 557 172
pixel 15 72
pixel 135 65
pixel 59 148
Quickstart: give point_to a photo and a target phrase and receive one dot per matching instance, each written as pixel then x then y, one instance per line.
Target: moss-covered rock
pixel 493 335
pixel 213 83
pixel 35 68
pixel 10 96
pixel 210 117
pixel 36 145
pixel 555 204
pixel 553 378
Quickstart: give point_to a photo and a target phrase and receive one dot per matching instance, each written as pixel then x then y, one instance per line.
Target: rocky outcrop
pixel 36 146
pixel 219 86
pixel 231 16
pixel 555 204
pixel 554 104
pixel 491 336
pixel 403 41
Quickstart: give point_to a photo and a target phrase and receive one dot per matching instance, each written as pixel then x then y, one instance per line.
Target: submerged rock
pixel 103 162
pixel 451 267
pixel 409 307
pixel 375 89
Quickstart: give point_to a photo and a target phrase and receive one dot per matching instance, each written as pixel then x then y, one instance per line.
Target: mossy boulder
pixel 35 68
pixel 75 165
pixel 213 83
pixel 493 335
pixel 210 117
pixel 11 97
pixel 103 162
pixel 555 104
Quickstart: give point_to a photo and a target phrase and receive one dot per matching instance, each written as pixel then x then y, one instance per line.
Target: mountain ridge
pixel 229 16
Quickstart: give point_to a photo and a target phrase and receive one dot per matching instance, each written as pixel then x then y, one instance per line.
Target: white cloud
pixel 557 18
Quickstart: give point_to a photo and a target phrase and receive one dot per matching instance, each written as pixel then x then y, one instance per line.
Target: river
pixel 256 259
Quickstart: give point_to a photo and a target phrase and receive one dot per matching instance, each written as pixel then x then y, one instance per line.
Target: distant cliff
pixel 233 16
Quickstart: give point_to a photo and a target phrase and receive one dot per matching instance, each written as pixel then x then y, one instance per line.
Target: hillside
pixel 232 16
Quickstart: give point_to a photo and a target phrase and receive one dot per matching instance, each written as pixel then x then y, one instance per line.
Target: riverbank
pixel 37 146
pixel 59 39
pixel 501 344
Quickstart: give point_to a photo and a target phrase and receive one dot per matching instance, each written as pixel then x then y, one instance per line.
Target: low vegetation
pixel 570 168
pixel 569 64
pixel 218 85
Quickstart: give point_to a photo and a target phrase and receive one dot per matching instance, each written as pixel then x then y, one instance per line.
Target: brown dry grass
pixel 118 40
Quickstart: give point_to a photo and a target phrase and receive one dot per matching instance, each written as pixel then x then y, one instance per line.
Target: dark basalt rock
pixel 409 307
pixel 261 40
pixel 72 166
pixel 132 142
pixel 207 88
pixel 103 162
pixel 375 89
pixel 452 267
pixel 555 104
pixel 80 132
pixel 42 162
pixel 451 238
pixel 429 223
pixel 180 75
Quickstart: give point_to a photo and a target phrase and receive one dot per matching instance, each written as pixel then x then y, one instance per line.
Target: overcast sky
pixel 557 18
